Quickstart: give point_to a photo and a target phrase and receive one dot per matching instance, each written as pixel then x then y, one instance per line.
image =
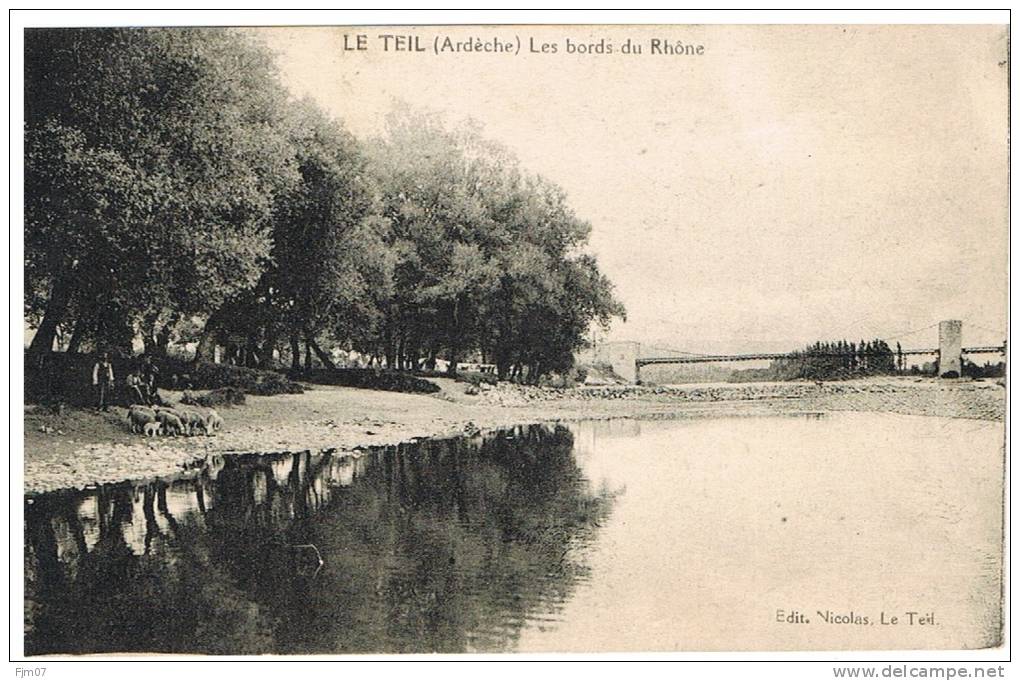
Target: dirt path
pixel 78 447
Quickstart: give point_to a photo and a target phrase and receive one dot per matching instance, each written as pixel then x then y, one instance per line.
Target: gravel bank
pixel 79 448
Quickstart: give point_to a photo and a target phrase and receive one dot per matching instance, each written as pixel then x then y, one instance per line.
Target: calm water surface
pixel 680 535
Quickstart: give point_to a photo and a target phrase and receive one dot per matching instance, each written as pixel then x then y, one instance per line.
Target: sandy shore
pixel 79 448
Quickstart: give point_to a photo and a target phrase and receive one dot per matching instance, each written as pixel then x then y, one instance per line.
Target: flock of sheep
pixel 157 420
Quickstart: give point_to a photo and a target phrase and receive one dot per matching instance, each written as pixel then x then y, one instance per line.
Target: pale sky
pixel 792 183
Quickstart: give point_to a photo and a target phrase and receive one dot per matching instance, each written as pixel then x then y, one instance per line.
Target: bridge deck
pixel 696 359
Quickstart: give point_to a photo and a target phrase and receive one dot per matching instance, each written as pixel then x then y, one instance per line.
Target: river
pixel 759 533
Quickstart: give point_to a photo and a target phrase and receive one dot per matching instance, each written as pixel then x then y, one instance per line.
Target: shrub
pixel 476 378
pixel 221 397
pixel 67 378
pixel 569 379
pixel 210 376
pixel 372 379
pixel 430 373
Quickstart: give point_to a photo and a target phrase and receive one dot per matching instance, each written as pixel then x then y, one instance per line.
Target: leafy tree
pixel 433 182
pixel 152 160
pixel 170 181
pixel 328 249
pixel 550 291
pixel 489 260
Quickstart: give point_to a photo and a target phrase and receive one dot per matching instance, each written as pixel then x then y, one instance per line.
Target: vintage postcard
pixel 346 340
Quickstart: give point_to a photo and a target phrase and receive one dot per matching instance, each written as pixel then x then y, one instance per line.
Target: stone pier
pixel 950 345
pixel 622 356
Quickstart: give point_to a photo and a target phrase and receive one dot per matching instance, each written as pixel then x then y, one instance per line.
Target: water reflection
pixel 440 546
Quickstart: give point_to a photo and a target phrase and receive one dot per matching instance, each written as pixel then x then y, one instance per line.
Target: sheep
pixel 169 410
pixel 152 428
pixel 171 422
pixel 192 421
pixel 139 416
pixel 213 422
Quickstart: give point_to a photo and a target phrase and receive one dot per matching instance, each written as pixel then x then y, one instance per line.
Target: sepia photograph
pixel 510 339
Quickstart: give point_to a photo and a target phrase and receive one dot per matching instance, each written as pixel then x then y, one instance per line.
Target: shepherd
pixel 102 381
pixel 150 378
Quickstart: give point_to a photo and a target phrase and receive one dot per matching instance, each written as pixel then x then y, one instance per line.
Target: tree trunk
pixel 454 339
pixel 390 348
pixel 326 360
pixel 254 359
pixel 149 333
pixel 502 359
pixel 267 349
pixel 56 308
pixel 206 349
pixel 78 335
pixel 308 355
pixel 414 358
pixel 295 352
pixel 399 352
pixel 163 335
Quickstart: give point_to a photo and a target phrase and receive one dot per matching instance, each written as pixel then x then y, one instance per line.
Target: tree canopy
pixel 154 159
pixel 171 184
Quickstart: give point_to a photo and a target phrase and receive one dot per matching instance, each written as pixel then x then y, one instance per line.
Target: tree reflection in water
pixel 438 546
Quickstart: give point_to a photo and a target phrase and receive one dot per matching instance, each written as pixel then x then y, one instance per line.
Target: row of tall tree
pixel 832 360
pixel 174 190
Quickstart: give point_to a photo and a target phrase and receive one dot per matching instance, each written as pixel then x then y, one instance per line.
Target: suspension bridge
pixel 627 361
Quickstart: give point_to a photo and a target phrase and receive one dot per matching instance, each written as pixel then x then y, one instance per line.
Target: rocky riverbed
pixel 927 397
pixel 78 448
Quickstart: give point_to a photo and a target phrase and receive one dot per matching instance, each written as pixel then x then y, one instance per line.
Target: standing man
pixel 102 381
pixel 150 377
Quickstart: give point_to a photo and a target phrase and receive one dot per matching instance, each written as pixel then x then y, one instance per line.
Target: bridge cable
pixel 904 334
pixel 985 328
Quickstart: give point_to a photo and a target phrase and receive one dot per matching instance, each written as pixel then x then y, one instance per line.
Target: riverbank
pixel 79 448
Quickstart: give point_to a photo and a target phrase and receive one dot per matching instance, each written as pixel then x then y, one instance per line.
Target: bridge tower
pixel 622 356
pixel 950 348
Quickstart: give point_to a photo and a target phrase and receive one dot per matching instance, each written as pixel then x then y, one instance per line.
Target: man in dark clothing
pixel 150 377
pixel 102 381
